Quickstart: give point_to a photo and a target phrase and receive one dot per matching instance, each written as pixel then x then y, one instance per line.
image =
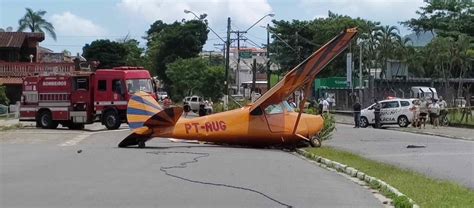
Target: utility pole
pixel 226 82
pixel 254 75
pixel 227 58
pixel 360 75
pixel 268 58
pixel 237 74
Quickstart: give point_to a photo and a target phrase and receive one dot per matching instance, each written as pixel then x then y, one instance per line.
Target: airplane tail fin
pixel 143 114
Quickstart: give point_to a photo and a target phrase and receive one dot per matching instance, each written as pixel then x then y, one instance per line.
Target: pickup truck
pixel 193 102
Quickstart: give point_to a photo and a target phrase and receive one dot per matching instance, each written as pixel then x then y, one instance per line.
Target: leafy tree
pixel 296 40
pixel 169 42
pixel 108 53
pixel 3 95
pixel 134 55
pixel 36 23
pixel 195 76
pixel 446 18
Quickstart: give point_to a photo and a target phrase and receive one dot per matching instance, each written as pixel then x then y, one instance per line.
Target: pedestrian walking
pixel 423 112
pixel 356 108
pixel 434 113
pixel 377 108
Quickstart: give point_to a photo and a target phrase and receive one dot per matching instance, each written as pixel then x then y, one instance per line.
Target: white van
pixel 423 92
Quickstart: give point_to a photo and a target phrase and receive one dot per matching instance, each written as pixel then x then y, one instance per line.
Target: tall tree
pixel 388 40
pixel 168 42
pixel 296 40
pixel 108 53
pixel 446 18
pixel 195 76
pixel 134 54
pixel 36 23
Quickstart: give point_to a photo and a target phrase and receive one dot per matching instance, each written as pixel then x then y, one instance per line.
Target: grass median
pixel 425 191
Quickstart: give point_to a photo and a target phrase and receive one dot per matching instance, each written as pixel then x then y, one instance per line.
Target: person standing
pixel 320 106
pixel 167 102
pixel 377 108
pixel 434 113
pixel 356 108
pixel 331 101
pixel 443 112
pixel 423 112
pixel 416 113
pixel 325 106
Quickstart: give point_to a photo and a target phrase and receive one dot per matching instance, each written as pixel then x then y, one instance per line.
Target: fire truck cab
pixel 80 98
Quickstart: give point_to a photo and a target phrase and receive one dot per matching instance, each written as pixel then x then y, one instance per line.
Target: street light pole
pixel 191 12
pixel 268 58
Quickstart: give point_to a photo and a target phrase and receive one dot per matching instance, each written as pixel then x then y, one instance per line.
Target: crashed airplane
pixel 268 121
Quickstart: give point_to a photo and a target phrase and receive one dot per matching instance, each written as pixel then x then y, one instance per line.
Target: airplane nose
pixel 314 124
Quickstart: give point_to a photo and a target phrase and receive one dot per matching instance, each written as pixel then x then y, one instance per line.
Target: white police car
pixel 393 111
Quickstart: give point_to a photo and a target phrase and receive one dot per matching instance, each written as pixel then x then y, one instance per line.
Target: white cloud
pixel 67 23
pixel 385 11
pixel 243 13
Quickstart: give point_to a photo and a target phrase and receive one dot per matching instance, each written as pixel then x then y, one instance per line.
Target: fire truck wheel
pixel 46 120
pixel 111 120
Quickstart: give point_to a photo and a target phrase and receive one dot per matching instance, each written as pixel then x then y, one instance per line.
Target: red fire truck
pixel 79 98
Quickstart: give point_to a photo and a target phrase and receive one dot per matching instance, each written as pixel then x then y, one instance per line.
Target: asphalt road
pixel 42 168
pixel 441 158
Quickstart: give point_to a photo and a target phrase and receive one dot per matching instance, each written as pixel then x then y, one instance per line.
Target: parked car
pixel 161 95
pixel 394 111
pixel 193 102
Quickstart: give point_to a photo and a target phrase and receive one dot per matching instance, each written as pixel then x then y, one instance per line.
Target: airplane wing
pixel 307 70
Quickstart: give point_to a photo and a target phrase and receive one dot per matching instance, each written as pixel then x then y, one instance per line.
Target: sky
pixel 78 22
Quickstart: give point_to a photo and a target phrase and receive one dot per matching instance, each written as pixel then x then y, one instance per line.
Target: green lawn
pixel 426 192
pixel 455 116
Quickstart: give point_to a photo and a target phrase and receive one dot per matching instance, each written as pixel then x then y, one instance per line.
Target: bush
pixel 3 95
pixel 329 126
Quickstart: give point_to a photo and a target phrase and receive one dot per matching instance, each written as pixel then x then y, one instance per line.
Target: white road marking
pixel 76 139
pixel 82 136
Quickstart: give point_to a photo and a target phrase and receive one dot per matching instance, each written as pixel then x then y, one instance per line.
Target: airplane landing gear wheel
pixel 315 141
pixel 141 144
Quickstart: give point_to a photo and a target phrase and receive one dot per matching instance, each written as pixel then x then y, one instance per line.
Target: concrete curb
pixel 352 172
pixel 416 132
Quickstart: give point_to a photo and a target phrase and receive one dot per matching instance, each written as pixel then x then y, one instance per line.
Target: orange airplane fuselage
pixel 240 127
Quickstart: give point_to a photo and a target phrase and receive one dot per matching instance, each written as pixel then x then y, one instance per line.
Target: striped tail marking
pixel 141 107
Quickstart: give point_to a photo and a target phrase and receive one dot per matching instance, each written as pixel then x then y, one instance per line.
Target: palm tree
pixel 36 23
pixel 388 40
pixel 403 51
